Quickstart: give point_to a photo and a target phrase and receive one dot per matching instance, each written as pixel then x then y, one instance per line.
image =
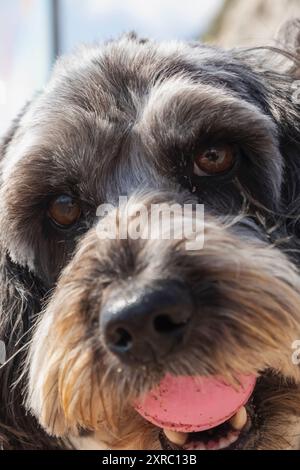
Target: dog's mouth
pixel 228 435
pixel 200 413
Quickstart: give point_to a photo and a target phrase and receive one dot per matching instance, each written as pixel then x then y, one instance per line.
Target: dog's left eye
pixel 64 211
pixel 214 160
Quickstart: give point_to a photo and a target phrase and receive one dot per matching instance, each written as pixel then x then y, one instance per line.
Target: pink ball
pixel 193 404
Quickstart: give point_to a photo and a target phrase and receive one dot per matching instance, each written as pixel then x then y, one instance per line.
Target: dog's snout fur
pixel 90 320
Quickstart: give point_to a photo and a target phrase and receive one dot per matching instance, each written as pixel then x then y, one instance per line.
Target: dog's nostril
pixel 165 324
pixel 122 340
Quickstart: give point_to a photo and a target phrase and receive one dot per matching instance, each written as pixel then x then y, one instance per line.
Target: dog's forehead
pixel 99 90
pixel 101 87
pixel 115 79
pixel 115 70
pixel 114 82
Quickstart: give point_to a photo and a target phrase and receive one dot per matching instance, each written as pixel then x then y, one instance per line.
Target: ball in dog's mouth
pixel 198 413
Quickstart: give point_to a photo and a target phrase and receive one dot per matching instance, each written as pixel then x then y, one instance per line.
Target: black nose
pixel 144 325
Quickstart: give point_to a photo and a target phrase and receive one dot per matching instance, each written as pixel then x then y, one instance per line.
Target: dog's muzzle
pixel 129 312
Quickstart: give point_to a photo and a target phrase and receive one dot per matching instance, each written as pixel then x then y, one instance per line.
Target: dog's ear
pixel 282 74
pixel 278 72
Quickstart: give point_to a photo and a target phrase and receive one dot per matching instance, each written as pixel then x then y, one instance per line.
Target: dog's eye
pixel 64 211
pixel 214 160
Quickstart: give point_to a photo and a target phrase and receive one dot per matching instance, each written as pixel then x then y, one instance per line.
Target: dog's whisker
pixel 18 352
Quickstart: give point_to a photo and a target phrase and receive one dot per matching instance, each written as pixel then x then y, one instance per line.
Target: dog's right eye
pixel 214 160
pixel 64 211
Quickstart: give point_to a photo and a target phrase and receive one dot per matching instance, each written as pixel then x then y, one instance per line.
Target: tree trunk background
pixel 251 22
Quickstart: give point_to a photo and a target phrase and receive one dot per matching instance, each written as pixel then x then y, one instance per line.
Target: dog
pixel 89 322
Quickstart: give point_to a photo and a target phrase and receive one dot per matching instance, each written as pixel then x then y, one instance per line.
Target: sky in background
pixel 161 19
pixel 26 35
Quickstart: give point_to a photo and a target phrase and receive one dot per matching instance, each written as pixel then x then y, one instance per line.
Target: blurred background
pixel 34 32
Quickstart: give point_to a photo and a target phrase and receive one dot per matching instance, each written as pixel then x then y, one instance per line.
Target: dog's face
pixel 169 123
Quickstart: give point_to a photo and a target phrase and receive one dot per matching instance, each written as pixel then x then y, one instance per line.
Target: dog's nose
pixel 146 325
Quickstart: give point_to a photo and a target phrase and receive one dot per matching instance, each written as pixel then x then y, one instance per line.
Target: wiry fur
pixel 126 118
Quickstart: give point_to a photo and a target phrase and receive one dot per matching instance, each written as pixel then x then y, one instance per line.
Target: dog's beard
pixel 247 296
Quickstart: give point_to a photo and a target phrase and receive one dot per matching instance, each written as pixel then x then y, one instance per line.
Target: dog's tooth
pixel 223 443
pixel 200 446
pixel 196 446
pixel 178 438
pixel 239 420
